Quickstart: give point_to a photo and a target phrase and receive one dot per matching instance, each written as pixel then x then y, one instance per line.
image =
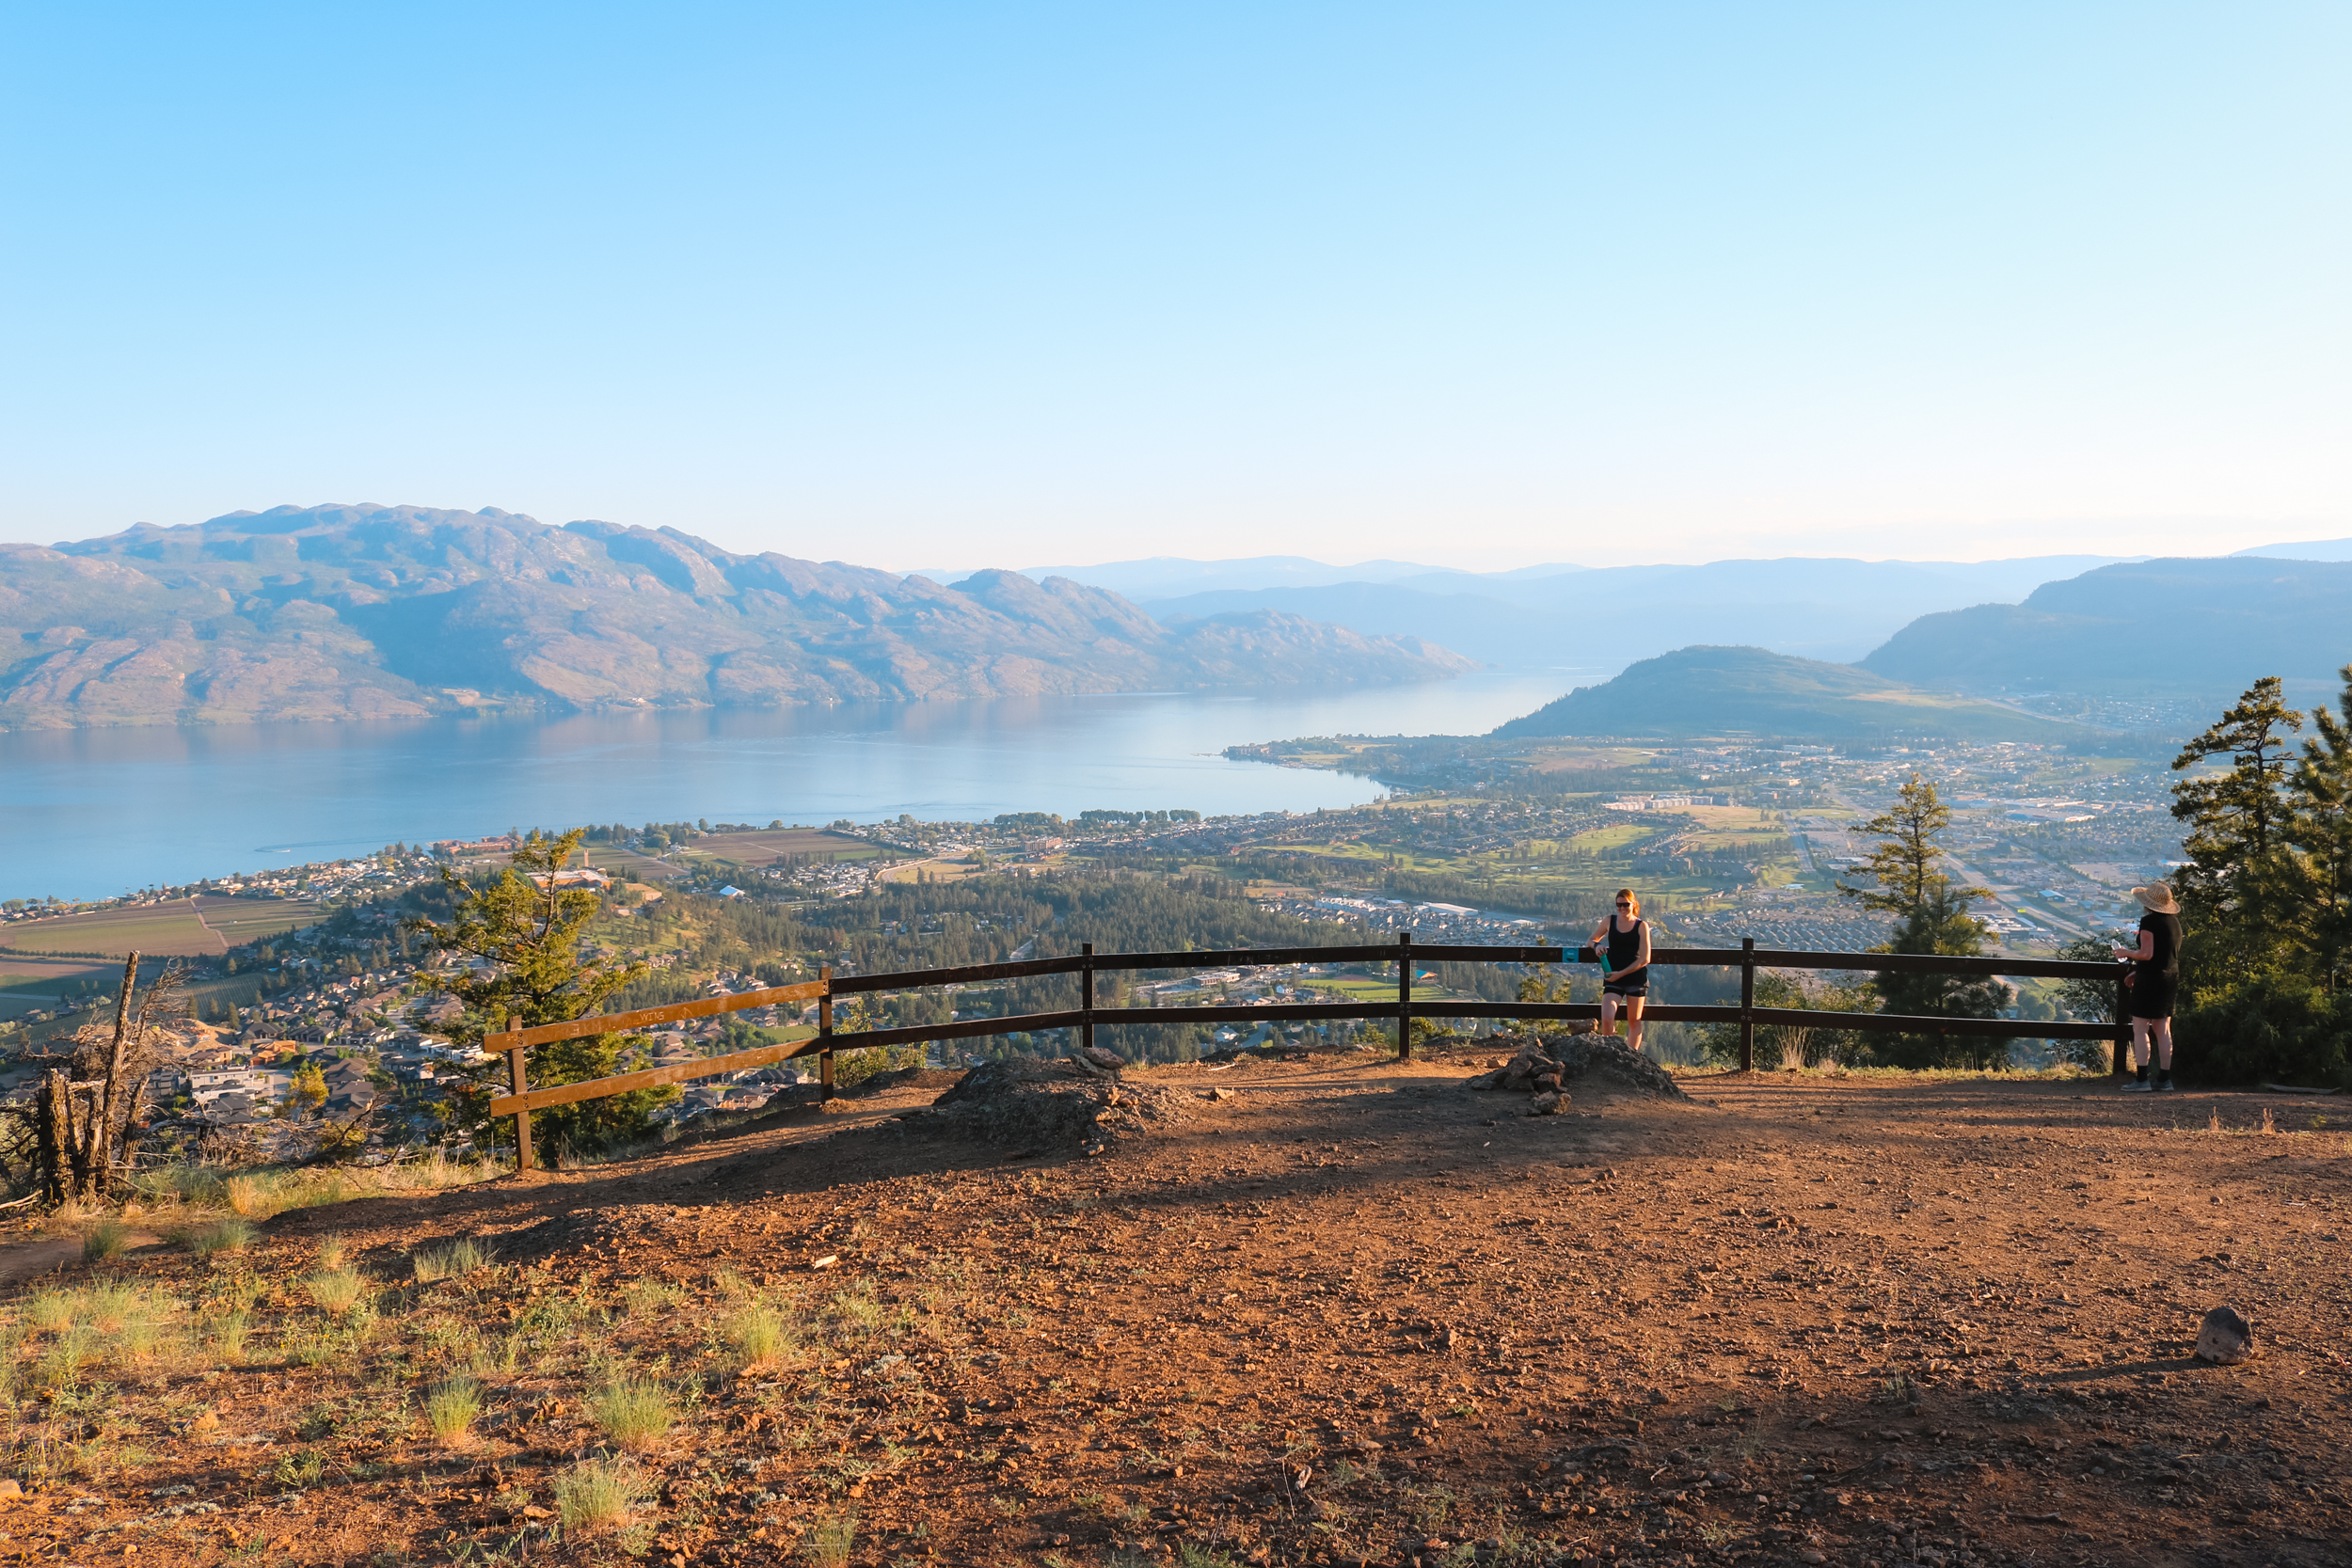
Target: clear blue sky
pixel 966 284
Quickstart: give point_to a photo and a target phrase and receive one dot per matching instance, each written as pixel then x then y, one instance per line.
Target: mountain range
pixel 2187 631
pixel 1733 692
pixel 2203 627
pixel 377 611
pixel 1546 618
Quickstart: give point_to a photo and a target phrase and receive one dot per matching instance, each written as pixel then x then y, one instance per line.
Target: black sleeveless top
pixel 1624 947
pixel 2165 952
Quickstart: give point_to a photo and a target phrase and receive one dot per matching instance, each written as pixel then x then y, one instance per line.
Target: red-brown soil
pixel 1353 1314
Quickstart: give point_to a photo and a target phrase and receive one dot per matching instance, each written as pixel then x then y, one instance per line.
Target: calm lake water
pixel 93 812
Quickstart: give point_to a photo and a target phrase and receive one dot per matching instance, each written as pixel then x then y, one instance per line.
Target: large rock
pixel 1042 1106
pixel 2225 1339
pixel 1543 1064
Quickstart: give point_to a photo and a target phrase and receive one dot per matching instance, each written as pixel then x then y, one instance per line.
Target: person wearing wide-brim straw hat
pixel 2155 976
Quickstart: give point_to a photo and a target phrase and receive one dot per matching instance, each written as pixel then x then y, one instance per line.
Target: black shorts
pixel 2151 995
pixel 1630 986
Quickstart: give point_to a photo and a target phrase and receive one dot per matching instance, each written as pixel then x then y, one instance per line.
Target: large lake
pixel 94 812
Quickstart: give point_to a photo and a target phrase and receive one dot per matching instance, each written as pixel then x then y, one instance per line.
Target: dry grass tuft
pixel 599 1494
pixel 830 1541
pixel 633 1416
pixel 647 1298
pixel 336 1291
pixel 227 1235
pixel 450 1410
pixel 449 1260
pixel 105 1241
pixel 259 1194
pixel 759 1337
pixel 251 1196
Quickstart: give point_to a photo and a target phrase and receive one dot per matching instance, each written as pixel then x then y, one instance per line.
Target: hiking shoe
pixel 2138 1085
pixel 2164 1084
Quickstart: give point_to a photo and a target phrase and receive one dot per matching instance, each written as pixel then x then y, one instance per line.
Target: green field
pixel 200 928
pixel 27 983
pixel 172 929
pixel 629 864
pixel 243 920
pixel 759 849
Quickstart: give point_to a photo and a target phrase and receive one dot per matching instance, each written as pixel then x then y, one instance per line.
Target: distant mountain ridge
pixel 2203 627
pixel 1734 692
pixel 1168 576
pixel 1826 607
pixel 2307 550
pixel 335 613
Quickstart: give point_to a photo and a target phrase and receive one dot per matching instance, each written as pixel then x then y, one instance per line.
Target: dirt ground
pixel 1348 1313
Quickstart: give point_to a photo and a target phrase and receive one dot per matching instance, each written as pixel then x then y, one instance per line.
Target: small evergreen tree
pixel 1907 862
pixel 1941 923
pixel 530 930
pixel 1911 883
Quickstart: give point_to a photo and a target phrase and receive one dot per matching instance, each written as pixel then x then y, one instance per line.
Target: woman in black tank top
pixel 1622 944
pixel 2156 977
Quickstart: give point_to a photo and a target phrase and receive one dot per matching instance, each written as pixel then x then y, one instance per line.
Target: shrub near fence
pixel 1408 957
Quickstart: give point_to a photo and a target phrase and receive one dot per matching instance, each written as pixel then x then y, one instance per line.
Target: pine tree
pixel 2236 887
pixel 1906 864
pixel 530 932
pixel 2322 831
pixel 1912 883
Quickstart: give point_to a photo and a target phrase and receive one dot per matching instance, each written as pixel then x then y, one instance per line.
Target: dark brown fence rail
pixel 1404 952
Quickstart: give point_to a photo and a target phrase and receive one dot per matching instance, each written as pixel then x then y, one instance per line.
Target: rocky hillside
pixel 365 612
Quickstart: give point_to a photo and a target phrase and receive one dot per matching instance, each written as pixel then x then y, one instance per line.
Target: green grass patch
pixel 633 1416
pixel 599 1494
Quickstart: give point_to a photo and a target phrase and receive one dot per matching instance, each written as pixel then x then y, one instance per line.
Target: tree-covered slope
pixel 2201 629
pixel 342 612
pixel 1754 693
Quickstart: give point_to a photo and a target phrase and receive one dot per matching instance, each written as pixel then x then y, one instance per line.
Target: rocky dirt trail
pixel 1332 1312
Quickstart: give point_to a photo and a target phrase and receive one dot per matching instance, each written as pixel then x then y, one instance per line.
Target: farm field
pixel 750 850
pixel 244 920
pixel 28 982
pixel 627 863
pixel 172 928
pixel 185 927
pixel 1353 1314
pixel 757 849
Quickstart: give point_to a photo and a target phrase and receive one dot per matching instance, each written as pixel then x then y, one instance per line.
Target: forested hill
pixel 369 611
pixel 2199 630
pixel 1754 693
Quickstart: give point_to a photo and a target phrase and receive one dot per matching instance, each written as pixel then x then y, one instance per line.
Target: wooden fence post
pixel 1404 996
pixel 1747 1004
pixel 516 1076
pixel 824 1035
pixel 1085 996
pixel 2124 1021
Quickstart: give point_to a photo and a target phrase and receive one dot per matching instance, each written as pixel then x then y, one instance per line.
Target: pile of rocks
pixel 1543 1065
pixel 1533 1070
pixel 1036 1106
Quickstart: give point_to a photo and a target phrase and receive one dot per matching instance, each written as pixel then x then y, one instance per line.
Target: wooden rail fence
pixel 1404 952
